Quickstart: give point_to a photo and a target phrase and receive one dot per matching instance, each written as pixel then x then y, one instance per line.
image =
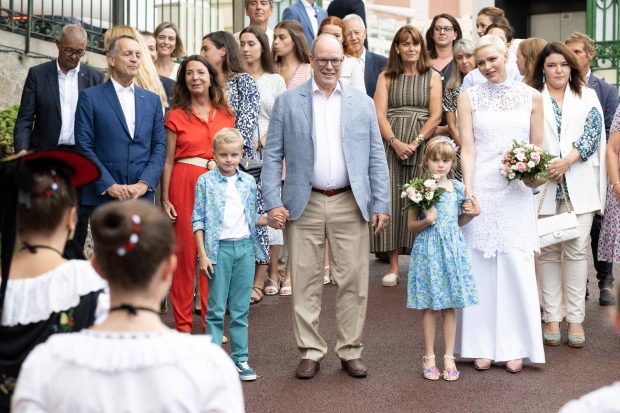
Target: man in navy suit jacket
pixel 355 34
pixel 120 127
pixel 342 8
pixel 45 117
pixel 583 48
pixel 308 14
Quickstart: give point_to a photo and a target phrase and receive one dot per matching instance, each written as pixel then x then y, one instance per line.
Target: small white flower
pixel 429 195
pixel 403 194
pixel 520 156
pixel 417 198
pixel 531 164
pixel 431 184
pixel 511 175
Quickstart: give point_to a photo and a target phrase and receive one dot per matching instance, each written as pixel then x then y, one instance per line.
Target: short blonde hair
pixel 227 135
pixel 588 43
pixel 491 40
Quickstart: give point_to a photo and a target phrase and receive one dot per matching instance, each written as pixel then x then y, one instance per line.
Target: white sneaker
pixel 390 280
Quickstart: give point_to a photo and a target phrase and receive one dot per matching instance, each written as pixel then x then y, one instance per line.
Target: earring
pixel 570 77
pixel 544 78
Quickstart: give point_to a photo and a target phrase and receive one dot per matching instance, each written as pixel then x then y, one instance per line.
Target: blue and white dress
pixel 440 273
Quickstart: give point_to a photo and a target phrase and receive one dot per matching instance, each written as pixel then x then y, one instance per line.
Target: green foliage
pixel 7 122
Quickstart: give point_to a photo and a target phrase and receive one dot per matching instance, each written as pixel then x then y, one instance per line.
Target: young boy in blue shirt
pixel 224 221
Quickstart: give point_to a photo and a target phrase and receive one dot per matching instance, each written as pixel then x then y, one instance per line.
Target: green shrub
pixel 7 122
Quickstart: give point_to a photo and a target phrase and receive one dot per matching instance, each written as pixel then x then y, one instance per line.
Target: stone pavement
pixel 393 351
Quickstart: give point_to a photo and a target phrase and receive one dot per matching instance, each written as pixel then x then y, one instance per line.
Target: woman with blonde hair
pixel 147 77
pixel 527 53
pixel 169 46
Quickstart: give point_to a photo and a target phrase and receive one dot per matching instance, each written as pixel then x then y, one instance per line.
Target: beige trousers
pixel 563 271
pixel 339 219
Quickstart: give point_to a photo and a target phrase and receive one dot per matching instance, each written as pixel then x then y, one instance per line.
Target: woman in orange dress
pixel 199 111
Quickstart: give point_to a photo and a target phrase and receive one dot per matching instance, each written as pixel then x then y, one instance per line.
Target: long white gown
pixel 503 238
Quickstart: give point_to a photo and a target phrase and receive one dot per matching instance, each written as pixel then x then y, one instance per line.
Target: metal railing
pixel 602 25
pixel 43 19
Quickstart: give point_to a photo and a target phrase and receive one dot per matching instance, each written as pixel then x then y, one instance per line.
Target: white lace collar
pixel 30 300
pixel 115 351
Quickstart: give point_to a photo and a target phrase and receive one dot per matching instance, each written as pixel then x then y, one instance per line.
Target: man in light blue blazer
pixel 336 181
pixel 309 14
pixel 120 127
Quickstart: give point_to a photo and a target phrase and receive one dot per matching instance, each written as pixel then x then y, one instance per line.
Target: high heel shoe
pixel 514 366
pixel 552 339
pixel 482 364
pixel 273 287
pixel 576 341
pixel 430 373
pixel 450 374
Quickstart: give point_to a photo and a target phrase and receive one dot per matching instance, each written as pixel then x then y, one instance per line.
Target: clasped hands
pixel 126 192
pixel 557 168
pixel 277 217
pixel 404 151
pixel 471 206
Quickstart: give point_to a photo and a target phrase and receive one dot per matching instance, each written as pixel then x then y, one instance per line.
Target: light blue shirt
pixel 209 206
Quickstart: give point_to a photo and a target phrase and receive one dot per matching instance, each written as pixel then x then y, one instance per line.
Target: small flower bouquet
pixel 422 193
pixel 524 161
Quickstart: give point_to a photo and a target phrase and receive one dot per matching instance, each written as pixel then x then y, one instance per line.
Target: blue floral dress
pixel 440 274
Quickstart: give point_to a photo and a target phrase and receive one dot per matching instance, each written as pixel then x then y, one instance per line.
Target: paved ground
pixel 393 350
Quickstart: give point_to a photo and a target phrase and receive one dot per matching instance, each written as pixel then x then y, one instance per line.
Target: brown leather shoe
pixel 356 367
pixel 307 369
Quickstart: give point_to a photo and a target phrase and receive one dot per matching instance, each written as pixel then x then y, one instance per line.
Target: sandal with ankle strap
pixel 273 288
pixel 430 373
pixel 286 289
pixel 259 291
pixel 450 374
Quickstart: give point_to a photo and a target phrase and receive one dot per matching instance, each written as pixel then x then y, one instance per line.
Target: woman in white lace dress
pixel 505 326
pixel 255 49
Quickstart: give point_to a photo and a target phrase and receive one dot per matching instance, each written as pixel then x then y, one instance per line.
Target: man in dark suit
pixel 47 111
pixel 373 64
pixel 342 8
pixel 309 14
pixel 583 48
pixel 120 127
pixel 49 98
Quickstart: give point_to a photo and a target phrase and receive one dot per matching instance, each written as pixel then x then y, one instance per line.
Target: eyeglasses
pixel 447 29
pixel 323 62
pixel 73 53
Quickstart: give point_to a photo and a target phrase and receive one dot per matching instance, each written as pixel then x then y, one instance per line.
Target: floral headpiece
pixel 441 139
pixel 133 238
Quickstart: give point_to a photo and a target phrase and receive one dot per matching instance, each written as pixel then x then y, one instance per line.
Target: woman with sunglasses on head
pixel 42 293
pixel 132 361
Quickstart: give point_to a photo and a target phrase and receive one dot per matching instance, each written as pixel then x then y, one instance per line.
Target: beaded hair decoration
pixel 134 237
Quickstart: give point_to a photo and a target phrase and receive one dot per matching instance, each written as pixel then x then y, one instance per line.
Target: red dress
pixel 194 139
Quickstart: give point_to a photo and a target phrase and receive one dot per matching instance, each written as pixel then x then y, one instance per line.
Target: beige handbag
pixel 557 228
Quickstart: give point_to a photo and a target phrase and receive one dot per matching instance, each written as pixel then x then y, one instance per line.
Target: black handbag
pixel 251 166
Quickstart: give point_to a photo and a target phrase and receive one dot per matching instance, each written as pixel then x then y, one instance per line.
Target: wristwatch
pixel 389 141
pixel 419 139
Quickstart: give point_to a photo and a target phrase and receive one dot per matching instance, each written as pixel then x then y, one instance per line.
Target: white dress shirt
pixel 330 168
pixel 69 91
pixel 235 224
pixel 312 15
pixel 126 96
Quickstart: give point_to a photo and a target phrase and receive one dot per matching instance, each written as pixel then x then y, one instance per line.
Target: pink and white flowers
pixel 525 161
pixel 422 193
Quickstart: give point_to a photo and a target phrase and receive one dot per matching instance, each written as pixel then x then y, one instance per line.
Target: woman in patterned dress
pixel 222 51
pixel 291 53
pixel 408 104
pixel 609 241
pixel 574 133
pixel 255 47
pixel 200 110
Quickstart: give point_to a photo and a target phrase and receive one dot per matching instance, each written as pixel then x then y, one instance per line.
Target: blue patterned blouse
pixel 587 144
pixel 244 100
pixel 209 205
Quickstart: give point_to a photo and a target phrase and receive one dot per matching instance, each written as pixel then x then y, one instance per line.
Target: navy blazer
pixel 297 11
pixel 168 85
pixel 39 120
pixel 102 135
pixel 373 66
pixel 608 96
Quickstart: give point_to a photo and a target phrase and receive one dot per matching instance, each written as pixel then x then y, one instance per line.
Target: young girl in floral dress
pixel 440 277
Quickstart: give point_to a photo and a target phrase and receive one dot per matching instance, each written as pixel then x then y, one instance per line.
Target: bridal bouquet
pixel 524 161
pixel 422 193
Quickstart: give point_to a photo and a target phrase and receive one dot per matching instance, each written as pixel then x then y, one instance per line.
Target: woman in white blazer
pixel 574 133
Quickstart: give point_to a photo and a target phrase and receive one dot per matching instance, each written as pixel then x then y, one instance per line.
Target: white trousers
pixel 563 272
